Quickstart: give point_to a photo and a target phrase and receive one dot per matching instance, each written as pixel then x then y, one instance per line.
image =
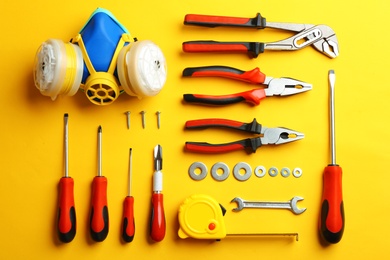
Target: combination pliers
pixel 277 135
pixel 321 37
pixel 276 86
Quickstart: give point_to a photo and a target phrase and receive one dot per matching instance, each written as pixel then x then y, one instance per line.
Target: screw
pixel 158 119
pixel 143 118
pixel 128 119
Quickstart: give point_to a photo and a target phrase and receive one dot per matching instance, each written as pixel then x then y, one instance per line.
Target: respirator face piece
pixel 137 68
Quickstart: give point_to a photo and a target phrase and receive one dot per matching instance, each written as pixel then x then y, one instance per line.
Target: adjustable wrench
pixel 291 205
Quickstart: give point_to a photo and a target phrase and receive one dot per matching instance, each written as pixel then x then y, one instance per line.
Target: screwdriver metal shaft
pixel 331 223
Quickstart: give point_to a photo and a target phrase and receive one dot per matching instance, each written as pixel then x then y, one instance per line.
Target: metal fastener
pixel 143 118
pixel 158 119
pixel 197 176
pixel 246 167
pixel 128 119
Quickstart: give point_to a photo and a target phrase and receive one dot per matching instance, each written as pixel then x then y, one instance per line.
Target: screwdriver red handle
pixel 332 220
pixel 66 211
pixel 99 223
pixel 157 221
pixel 128 226
pixel 254 76
pixel 258 22
pixel 253 49
pixel 252 97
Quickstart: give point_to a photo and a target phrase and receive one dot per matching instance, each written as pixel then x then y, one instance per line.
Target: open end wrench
pixel 291 205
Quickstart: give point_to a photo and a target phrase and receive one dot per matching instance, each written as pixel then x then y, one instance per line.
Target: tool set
pixel 201 216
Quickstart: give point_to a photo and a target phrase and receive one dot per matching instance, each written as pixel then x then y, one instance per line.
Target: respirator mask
pixel 103 60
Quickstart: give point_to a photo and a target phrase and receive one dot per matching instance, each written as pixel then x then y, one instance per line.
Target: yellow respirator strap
pixel 101 88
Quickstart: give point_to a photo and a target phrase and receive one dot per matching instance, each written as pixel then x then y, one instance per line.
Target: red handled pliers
pixel 321 37
pixel 277 135
pixel 276 86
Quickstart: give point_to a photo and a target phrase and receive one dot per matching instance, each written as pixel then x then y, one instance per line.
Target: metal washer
pixel 297 172
pixel 203 171
pixel 223 167
pixel 238 167
pixel 273 171
pixel 260 171
pixel 285 172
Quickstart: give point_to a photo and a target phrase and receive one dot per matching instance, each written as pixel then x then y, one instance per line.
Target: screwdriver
pixel 99 211
pixel 128 225
pixel 157 220
pixel 66 210
pixel 331 223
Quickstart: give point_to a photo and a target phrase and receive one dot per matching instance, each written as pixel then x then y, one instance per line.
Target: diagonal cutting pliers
pixel 276 86
pixel 321 37
pixel 277 135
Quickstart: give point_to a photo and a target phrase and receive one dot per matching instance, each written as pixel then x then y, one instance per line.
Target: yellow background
pixel 32 133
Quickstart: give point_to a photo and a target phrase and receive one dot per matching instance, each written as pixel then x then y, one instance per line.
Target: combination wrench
pixel 291 205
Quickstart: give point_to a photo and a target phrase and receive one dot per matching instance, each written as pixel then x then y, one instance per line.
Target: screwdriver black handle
pixel 66 211
pixel 332 219
pixel 99 221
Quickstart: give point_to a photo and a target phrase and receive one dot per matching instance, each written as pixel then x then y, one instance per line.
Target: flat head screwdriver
pixel 157 220
pixel 66 210
pixel 99 221
pixel 331 223
pixel 128 223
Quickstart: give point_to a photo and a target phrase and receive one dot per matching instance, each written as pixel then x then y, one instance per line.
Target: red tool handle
pixel 157 220
pixel 249 144
pixel 128 224
pixel 66 211
pixel 252 127
pixel 252 97
pixel 254 76
pixel 258 22
pixel 332 211
pixel 252 48
pixel 99 222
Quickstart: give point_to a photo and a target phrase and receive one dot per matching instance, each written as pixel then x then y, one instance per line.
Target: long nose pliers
pixel 277 135
pixel 276 86
pixel 321 37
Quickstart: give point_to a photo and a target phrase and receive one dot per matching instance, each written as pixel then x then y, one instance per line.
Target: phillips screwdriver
pixel 331 223
pixel 99 223
pixel 157 220
pixel 66 210
pixel 128 225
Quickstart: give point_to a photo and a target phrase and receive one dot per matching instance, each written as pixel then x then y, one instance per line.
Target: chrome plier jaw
pixel 279 135
pixel 285 86
pixel 321 37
